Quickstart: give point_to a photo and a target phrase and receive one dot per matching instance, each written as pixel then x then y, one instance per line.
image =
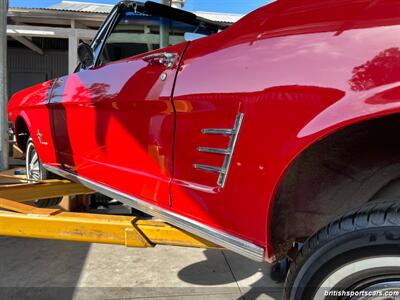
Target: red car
pixel 276 137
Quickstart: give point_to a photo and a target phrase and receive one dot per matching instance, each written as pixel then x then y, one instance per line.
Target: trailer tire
pixel 35 170
pixel 358 252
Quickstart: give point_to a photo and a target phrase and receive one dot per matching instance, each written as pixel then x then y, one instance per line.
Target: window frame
pixel 104 28
pixel 110 28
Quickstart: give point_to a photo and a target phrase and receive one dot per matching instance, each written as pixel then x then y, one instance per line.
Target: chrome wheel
pixel 32 163
pixel 35 171
pixel 385 290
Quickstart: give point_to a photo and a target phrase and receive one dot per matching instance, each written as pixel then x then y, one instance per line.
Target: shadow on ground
pixel 40 269
pixel 253 278
pixel 45 269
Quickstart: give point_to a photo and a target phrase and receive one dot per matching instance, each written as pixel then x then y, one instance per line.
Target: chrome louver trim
pixel 209 168
pixel 221 238
pixel 228 152
pixel 214 150
pixel 218 131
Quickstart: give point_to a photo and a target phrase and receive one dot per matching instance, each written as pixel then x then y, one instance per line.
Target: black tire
pixel 358 252
pixel 38 173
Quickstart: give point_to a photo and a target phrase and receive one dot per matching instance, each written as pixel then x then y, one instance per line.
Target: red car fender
pixel 378 103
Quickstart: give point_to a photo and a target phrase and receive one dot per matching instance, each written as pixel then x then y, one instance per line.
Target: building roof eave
pixel 97 12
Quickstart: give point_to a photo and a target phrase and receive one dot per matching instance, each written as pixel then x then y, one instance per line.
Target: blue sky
pixel 229 6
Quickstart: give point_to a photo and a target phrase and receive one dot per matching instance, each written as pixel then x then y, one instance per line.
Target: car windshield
pixel 136 33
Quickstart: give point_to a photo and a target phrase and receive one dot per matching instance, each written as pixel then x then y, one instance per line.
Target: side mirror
pixel 85 55
pixel 191 36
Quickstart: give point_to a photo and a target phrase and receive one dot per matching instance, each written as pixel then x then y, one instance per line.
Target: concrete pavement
pixel 43 269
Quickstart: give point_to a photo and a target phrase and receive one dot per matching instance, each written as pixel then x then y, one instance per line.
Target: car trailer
pixel 20 219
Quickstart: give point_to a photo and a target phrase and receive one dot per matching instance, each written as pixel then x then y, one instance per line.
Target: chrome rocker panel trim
pixel 223 239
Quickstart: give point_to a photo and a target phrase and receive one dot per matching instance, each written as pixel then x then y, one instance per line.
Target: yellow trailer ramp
pixel 23 220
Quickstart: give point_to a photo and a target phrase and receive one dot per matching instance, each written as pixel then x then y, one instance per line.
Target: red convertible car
pixel 276 137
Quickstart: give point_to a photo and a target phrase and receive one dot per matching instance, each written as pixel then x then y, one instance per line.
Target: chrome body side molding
pixel 223 239
pixel 228 152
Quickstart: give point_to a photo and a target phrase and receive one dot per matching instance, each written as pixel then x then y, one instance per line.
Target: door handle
pixel 163 58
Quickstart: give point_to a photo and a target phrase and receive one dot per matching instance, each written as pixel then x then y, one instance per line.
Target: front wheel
pixel 36 171
pixel 355 257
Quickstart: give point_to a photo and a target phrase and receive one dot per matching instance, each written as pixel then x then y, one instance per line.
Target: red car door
pixel 114 123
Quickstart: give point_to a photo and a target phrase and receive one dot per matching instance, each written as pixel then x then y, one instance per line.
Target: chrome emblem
pixel 233 134
pixel 40 135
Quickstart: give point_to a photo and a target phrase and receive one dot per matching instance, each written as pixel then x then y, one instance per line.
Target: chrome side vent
pixel 218 131
pixel 228 152
pixel 214 150
pixel 209 168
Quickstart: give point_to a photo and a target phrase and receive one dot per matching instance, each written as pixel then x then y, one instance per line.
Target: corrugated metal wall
pixel 26 68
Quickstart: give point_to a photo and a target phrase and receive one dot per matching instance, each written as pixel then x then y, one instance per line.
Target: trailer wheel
pixel 354 257
pixel 35 170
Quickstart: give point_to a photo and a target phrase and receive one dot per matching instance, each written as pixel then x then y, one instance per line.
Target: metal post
pixel 164 28
pixel 3 86
pixel 72 53
pixel 72 50
pixel 177 3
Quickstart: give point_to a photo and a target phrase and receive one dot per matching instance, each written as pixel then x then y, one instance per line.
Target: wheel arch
pixel 311 212
pixel 22 131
